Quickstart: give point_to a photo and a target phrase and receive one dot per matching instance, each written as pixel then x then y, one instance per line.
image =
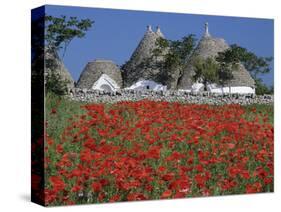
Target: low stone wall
pixel 97 96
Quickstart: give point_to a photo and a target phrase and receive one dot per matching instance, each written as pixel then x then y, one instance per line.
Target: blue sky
pixel 116 33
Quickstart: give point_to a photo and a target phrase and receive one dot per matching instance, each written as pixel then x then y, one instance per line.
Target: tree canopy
pixel 60 31
pixel 178 50
pixel 173 54
pixel 254 64
pixel 206 71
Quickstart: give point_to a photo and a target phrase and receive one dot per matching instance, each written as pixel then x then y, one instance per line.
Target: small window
pixel 147 87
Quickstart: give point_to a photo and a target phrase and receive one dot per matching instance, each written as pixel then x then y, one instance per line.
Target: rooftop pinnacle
pixel 206 30
pixel 158 31
pixel 149 29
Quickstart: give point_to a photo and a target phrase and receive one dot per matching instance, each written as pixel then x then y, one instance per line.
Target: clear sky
pixel 116 33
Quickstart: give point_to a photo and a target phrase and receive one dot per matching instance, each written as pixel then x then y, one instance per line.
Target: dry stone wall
pixel 98 96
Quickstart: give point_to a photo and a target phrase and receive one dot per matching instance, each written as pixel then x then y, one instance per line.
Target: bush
pixel 262 89
pixel 55 84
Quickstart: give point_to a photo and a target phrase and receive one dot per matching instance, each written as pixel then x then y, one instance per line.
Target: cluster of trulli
pixel 141 72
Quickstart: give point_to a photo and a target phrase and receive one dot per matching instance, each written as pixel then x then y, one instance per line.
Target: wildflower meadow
pixel 146 150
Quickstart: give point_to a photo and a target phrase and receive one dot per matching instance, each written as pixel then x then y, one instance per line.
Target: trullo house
pixel 100 75
pixel 142 70
pixel 209 46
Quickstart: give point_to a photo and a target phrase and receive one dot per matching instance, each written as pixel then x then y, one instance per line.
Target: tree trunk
pixel 205 86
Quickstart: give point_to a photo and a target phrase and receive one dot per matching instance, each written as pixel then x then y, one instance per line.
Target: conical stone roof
pixel 94 70
pixel 209 46
pixel 54 63
pixel 141 65
pixel 241 77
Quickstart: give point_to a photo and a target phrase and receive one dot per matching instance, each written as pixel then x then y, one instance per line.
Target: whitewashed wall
pixel 147 84
pixel 238 89
pixel 105 83
pixel 213 88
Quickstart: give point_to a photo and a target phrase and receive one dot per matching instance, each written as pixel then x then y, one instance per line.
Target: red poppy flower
pixel 114 198
pixel 57 183
pixel 200 180
pixel 76 188
pixel 166 194
pixel 53 111
pixel 136 196
pixel 96 186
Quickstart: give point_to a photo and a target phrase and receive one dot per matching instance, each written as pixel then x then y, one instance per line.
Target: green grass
pixel 65 109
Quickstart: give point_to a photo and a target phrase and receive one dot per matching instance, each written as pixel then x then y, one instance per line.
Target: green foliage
pixel 61 31
pixel 262 89
pixel 161 45
pixel 254 64
pixel 174 52
pixel 206 71
pixel 55 84
pixel 65 109
pixel 227 63
pixel 231 55
pixel 171 56
pixel 225 73
pixel 182 48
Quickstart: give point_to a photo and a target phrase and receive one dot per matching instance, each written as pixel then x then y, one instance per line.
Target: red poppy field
pixel 96 153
